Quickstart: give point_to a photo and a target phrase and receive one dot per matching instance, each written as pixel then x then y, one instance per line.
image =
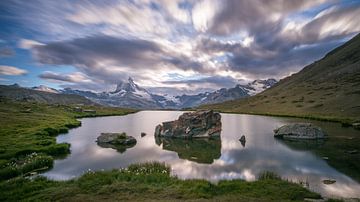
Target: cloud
pixel 75 77
pixel 109 58
pixel 11 71
pixel 28 44
pixel 6 52
pixel 133 17
pixel 75 80
pixel 232 16
pixel 211 82
pixel 286 47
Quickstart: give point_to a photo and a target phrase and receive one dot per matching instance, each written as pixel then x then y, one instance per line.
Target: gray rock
pixel 191 125
pixel 242 140
pixel 116 138
pixel 329 181
pixel 300 131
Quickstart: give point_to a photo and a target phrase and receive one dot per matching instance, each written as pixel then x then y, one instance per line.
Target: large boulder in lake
pixel 304 131
pixel 118 141
pixel 191 125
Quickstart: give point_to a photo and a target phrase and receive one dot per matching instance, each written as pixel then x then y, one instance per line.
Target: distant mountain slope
pixel 16 92
pixel 225 94
pixel 329 87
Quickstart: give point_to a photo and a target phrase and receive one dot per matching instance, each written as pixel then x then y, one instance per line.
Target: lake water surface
pixel 214 160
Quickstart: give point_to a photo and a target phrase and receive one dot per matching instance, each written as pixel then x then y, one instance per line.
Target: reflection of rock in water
pixel 204 150
pixel 118 147
pixel 302 145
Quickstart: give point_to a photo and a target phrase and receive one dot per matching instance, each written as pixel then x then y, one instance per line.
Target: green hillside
pixel 326 89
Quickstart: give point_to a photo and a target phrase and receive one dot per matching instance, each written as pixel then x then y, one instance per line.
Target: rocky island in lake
pixel 118 141
pixel 205 123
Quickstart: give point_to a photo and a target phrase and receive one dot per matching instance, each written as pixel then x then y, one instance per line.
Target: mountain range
pixel 131 95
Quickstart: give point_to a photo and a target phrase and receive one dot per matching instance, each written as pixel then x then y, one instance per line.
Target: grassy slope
pixel 31 127
pixel 328 89
pixel 146 183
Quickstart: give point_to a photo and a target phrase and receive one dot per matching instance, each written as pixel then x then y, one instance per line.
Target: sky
pixel 167 46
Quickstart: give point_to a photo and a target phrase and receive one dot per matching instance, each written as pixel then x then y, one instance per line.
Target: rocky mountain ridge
pixel 129 94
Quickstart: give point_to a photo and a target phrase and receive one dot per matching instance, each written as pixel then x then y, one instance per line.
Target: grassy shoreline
pixel 345 122
pixel 31 128
pixel 148 182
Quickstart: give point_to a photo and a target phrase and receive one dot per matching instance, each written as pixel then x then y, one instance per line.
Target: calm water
pixel 224 158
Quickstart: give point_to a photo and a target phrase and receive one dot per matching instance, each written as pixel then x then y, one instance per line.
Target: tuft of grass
pixel 23 166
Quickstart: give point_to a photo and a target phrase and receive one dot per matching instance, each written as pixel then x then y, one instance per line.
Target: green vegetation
pixel 24 166
pixel 28 128
pixel 146 182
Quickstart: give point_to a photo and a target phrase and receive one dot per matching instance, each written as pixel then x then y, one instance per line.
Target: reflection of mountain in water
pixel 204 150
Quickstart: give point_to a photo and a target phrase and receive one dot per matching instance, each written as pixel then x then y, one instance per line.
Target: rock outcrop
pixel 118 141
pixel 191 125
pixel 305 131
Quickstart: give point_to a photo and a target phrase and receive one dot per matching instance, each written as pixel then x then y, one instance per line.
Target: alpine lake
pixel 211 159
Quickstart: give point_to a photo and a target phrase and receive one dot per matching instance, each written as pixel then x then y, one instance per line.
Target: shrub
pixel 24 165
pixel 149 168
pixel 57 149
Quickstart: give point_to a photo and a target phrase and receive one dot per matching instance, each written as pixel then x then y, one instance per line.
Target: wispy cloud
pixel 11 71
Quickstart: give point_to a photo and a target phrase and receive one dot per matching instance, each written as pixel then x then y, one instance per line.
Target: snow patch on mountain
pixel 45 89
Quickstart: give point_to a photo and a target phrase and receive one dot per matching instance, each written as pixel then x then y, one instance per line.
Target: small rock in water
pixel 119 141
pixel 325 158
pixel 143 134
pixel 242 140
pixel 329 181
pixel 116 138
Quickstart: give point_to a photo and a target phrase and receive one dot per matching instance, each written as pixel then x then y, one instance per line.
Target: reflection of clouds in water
pixel 261 153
